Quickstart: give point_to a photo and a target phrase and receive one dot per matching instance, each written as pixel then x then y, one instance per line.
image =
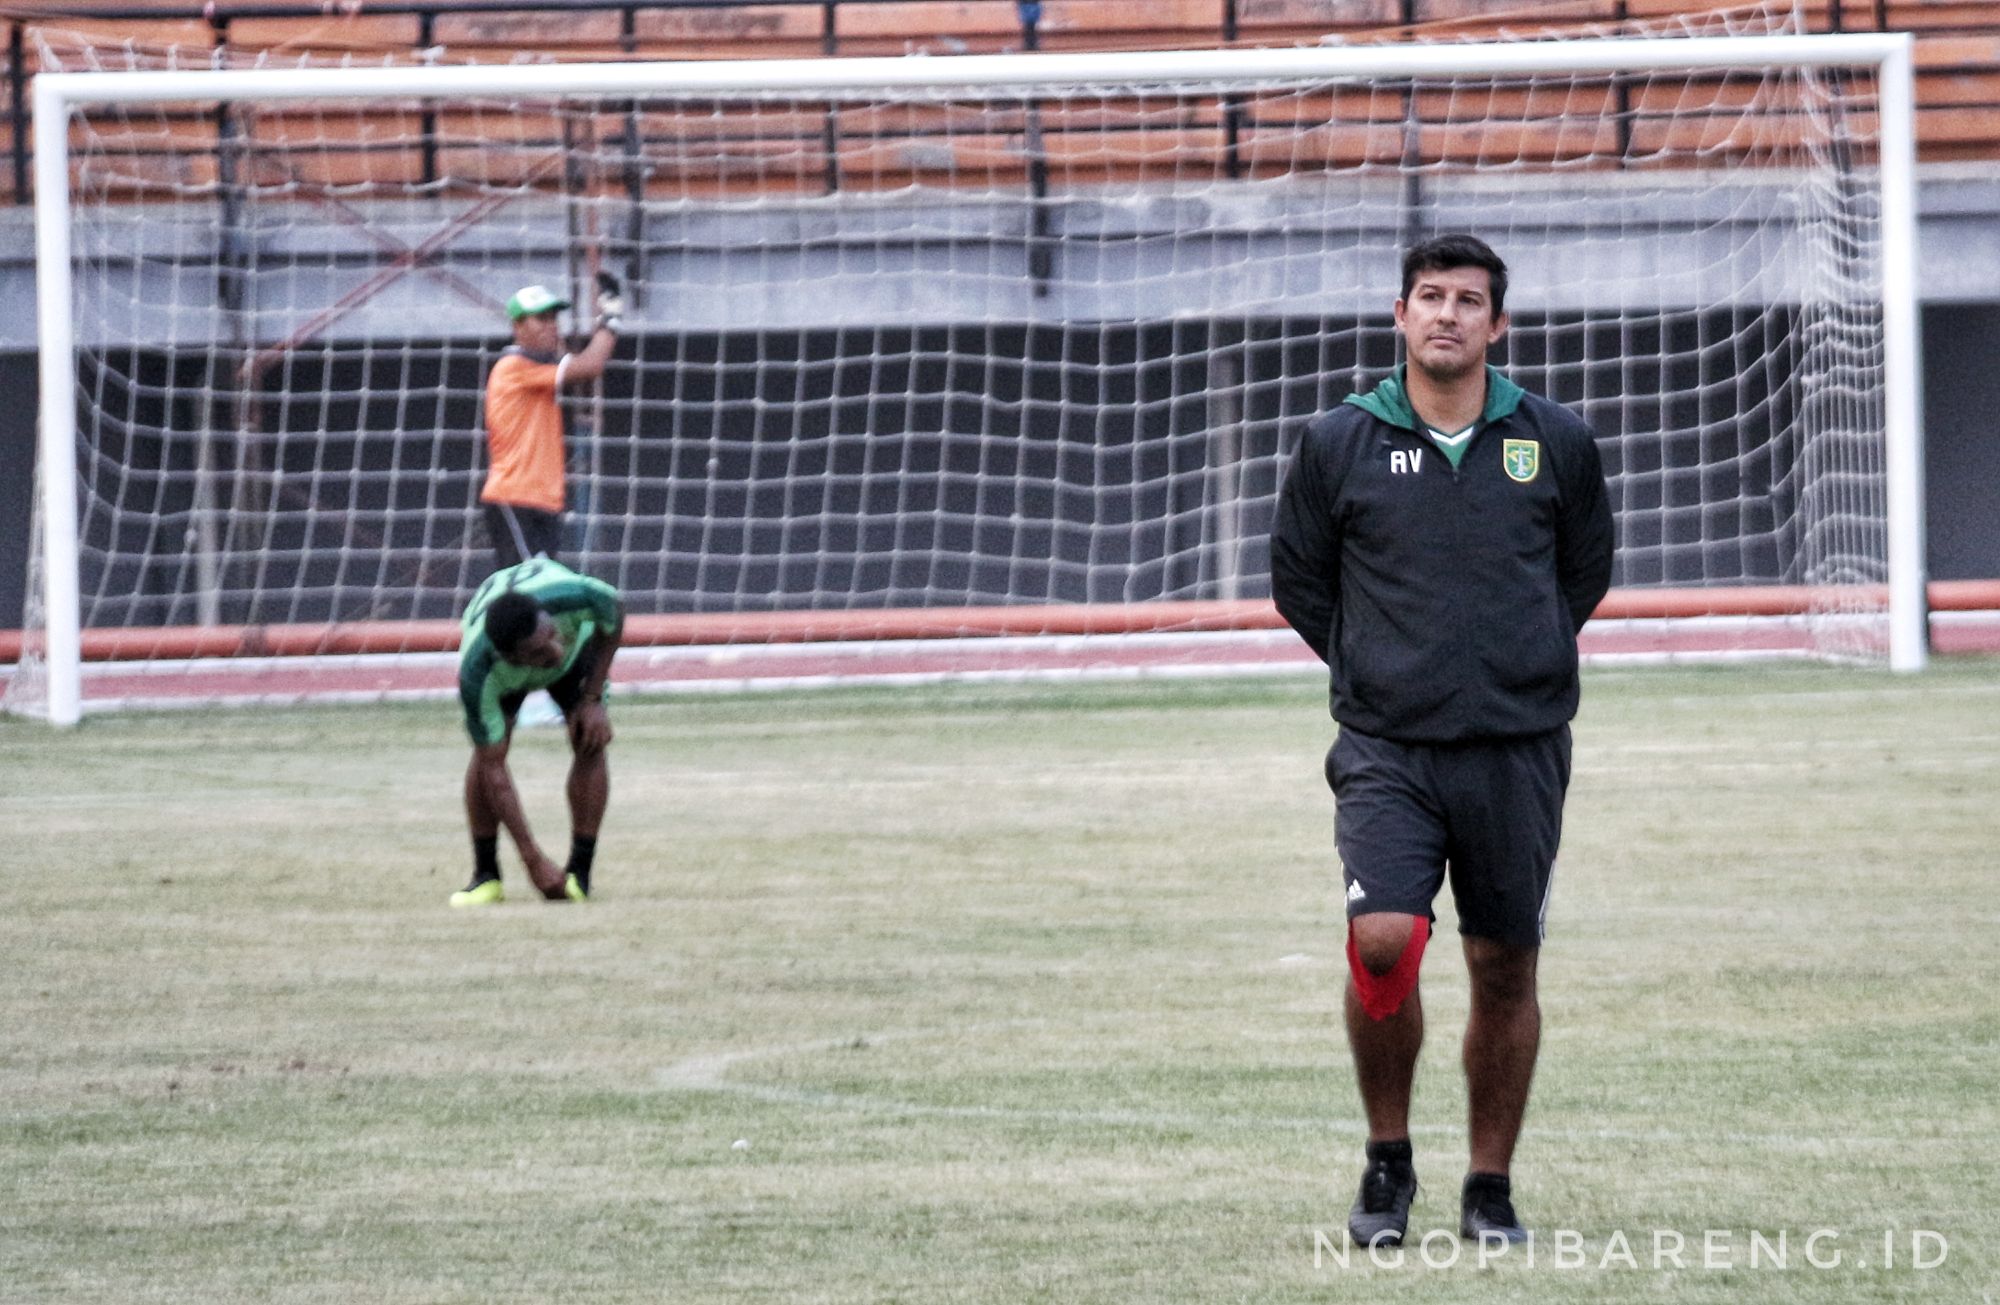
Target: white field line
pixel 710 1074
pixel 1747 765
pixel 1263 653
pixel 1128 674
pixel 641 686
pixel 1641 760
pixel 1897 687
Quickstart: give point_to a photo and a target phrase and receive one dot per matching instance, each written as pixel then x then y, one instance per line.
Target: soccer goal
pixel 972 355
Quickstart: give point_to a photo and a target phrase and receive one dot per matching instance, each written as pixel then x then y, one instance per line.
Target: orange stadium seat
pixel 497 37
pixel 328 33
pixel 777 31
pixel 968 26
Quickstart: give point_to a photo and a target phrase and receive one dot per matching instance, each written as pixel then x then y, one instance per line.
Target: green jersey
pixel 580 607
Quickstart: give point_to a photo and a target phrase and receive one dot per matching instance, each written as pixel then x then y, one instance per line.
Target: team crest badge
pixel 1522 459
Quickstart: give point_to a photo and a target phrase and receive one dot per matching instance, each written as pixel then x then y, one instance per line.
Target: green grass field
pixel 996 994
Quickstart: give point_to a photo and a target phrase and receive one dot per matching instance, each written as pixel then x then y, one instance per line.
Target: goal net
pixel 966 350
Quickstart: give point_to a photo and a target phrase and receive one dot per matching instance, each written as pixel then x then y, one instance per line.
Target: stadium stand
pixel 1958 50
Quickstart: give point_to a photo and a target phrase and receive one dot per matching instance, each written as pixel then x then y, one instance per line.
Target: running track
pixel 249 680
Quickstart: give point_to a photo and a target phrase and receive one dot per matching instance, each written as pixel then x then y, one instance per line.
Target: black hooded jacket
pixel 1446 601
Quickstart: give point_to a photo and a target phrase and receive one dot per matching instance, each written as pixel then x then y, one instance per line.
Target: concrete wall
pixel 1309 246
pixel 17 478
pixel 1962 415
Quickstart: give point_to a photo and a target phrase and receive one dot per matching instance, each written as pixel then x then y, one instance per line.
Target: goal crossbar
pixel 861 76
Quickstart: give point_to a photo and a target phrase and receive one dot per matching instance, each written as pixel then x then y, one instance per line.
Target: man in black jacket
pixel 1440 541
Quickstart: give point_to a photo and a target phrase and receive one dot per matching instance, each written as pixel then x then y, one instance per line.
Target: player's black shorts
pixel 1488 814
pixel 567 691
pixel 519 533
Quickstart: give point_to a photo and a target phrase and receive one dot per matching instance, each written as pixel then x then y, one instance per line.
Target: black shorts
pixel 519 533
pixel 1487 814
pixel 567 691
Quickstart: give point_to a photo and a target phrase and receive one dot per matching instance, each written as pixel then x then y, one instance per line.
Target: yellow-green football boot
pixel 485 892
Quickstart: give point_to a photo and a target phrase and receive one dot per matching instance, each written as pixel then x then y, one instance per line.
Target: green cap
pixel 531 300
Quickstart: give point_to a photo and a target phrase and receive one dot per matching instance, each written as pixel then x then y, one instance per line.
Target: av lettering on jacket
pixel 1445 593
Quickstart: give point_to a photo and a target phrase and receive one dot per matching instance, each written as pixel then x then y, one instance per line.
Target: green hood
pixel 1390 402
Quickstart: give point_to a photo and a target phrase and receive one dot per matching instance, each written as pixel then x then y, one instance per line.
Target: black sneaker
pixel 1486 1210
pixel 1381 1212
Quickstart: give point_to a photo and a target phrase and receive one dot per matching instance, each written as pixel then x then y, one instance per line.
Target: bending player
pixel 537 625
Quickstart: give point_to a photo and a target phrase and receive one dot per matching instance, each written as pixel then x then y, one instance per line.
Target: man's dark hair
pixel 1443 253
pixel 512 618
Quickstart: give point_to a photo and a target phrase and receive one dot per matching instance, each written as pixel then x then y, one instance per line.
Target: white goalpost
pixel 959 350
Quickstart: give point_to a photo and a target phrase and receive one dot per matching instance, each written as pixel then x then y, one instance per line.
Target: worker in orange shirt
pixel 524 495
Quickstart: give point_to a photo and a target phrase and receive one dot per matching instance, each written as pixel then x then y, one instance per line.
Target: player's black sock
pixel 485 859
pixel 1498 1184
pixel 581 851
pixel 1397 1152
